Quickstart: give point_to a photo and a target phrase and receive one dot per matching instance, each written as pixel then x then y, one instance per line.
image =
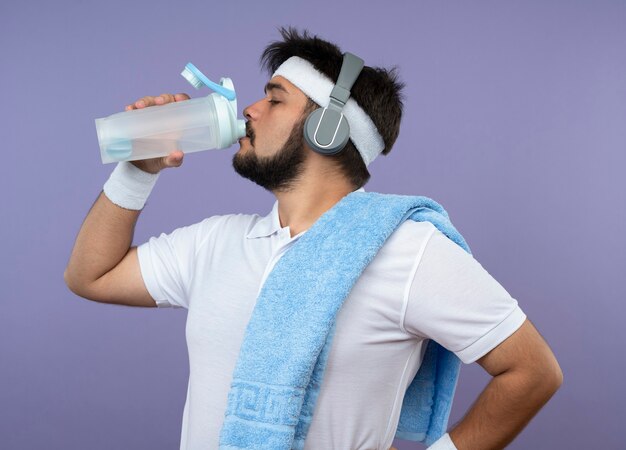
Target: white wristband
pixel 443 443
pixel 129 186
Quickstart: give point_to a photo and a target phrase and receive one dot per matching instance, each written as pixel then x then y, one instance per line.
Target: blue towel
pixel 282 359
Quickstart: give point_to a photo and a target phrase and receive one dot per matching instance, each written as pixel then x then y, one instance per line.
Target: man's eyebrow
pixel 270 86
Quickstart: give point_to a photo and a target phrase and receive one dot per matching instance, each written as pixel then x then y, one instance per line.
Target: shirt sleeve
pixel 454 301
pixel 167 262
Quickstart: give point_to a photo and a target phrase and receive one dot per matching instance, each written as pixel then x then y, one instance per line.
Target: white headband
pixel 318 87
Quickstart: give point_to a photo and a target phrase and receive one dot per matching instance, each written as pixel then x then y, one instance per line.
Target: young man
pixel 420 285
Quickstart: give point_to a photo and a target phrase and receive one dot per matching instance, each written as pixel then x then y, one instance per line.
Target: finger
pixel 163 99
pixel 180 97
pixel 129 107
pixel 144 102
pixel 174 159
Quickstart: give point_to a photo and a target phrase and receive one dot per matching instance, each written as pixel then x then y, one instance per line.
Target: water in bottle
pixel 203 123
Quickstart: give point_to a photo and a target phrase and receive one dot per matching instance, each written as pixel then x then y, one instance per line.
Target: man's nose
pixel 246 113
pixel 251 112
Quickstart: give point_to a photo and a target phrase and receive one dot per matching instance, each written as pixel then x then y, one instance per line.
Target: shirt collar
pixel 270 224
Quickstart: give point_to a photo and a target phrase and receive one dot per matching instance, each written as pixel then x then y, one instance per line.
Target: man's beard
pixel 277 173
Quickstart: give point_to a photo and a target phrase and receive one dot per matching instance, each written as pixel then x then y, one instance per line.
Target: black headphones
pixel 326 130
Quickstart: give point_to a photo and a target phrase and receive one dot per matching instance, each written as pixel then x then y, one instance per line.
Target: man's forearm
pixel 502 410
pixel 104 238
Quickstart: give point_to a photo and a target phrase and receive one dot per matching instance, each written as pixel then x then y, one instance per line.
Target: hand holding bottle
pixel 175 158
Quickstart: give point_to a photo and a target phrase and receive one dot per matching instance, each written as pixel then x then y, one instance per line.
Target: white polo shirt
pixel 419 286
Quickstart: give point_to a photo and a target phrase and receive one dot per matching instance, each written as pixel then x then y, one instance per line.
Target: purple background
pixel 514 121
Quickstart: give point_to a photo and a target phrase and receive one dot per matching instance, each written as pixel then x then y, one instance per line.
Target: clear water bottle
pixel 204 123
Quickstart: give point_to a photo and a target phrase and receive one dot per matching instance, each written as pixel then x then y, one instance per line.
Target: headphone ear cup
pixel 341 135
pixel 310 125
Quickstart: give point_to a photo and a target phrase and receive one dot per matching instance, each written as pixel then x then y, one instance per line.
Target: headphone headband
pixel 350 70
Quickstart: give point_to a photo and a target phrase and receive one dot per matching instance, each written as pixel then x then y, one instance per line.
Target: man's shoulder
pixel 411 229
pixel 409 236
pixel 230 220
pixel 232 225
pixel 217 223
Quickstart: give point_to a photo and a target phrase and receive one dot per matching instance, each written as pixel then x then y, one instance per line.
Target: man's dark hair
pixel 377 90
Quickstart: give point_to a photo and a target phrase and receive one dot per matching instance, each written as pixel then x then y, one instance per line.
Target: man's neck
pixel 301 207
